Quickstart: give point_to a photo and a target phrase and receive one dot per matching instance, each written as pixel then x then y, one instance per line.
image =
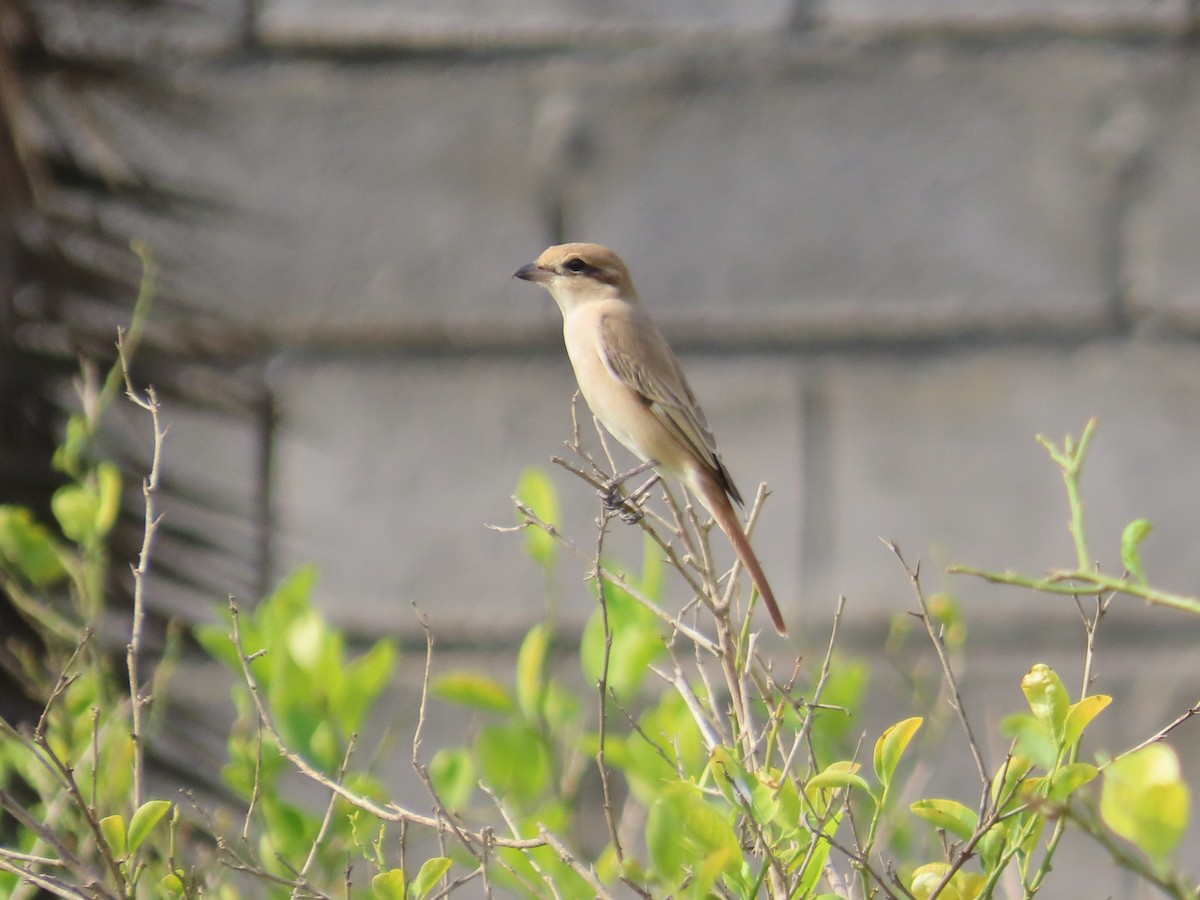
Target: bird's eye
pixel 575 264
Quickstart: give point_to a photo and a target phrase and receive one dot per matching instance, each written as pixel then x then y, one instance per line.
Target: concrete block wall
pixel 892 240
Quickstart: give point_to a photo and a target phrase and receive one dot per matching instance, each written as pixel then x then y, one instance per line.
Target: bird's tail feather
pixel 715 500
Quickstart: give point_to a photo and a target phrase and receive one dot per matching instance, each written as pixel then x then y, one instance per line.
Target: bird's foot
pixel 628 508
pixel 616 502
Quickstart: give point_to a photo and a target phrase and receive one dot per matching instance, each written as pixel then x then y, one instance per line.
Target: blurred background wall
pixel 891 240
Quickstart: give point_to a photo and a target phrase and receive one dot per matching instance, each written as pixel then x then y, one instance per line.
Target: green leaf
pixel 667 742
pixel 291 598
pixel 1033 739
pixel 962 885
pixel 891 746
pixel 388 885
pixel 147 816
pixel 113 829
pixel 472 690
pixel 537 491
pixel 27 545
pixel 993 842
pixel 452 772
pixel 838 775
pixel 686 835
pixel 732 778
pixel 172 883
pixel 513 760
pixel 68 456
pixel 363 683
pixel 1068 779
pixel 1131 540
pixel 1080 715
pixel 1005 789
pixel 846 687
pixel 738 785
pixel 108 505
pixel 430 874
pixel 1048 699
pixel 949 815
pixel 305 638
pixel 636 643
pixel 1145 801
pixel 531 670
pixel 75 508
pixel 945 610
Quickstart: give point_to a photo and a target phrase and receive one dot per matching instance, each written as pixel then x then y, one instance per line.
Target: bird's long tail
pixel 715 500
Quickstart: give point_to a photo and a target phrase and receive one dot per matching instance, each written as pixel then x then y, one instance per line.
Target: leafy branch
pixel 1086 578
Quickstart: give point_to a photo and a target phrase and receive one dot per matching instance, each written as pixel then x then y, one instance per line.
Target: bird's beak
pixel 532 272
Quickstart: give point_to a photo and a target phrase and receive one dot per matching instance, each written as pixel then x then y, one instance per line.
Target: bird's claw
pixel 616 502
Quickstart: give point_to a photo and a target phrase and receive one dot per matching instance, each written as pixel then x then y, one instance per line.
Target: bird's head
pixel 579 273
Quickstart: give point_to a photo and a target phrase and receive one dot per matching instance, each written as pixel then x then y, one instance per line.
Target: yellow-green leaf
pixel 1145 801
pixel 108 505
pixel 1033 738
pixel 687 836
pixel 388 885
pixel 452 772
pixel 1007 780
pixel 75 507
pixel 147 816
pixel 531 670
pixel 27 545
pixel 962 885
pixel 113 829
pixel 427 879
pixel 1070 778
pixel 172 883
pixel 536 490
pixel 513 760
pixel 472 690
pixel 891 746
pixel 840 774
pixel 1048 699
pixel 949 815
pixel 1081 714
pixel 1131 540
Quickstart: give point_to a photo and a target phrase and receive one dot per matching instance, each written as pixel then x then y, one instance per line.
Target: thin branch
pixel 1187 714
pixel 56 886
pixel 392 812
pixel 602 691
pixel 619 580
pixel 328 818
pixel 565 855
pixel 1074 583
pixel 947 669
pixel 150 525
pixel 826 664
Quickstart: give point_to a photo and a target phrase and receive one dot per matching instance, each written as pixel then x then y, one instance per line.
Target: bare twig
pixel 328 818
pixel 826 663
pixel 56 886
pixel 1187 714
pixel 150 525
pixel 948 670
pixel 602 691
pixel 583 871
pixel 619 580
pixel 392 812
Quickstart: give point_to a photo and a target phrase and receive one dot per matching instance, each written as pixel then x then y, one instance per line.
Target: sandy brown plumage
pixel 633 384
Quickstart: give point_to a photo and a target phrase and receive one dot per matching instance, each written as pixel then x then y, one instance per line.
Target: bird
pixel 635 387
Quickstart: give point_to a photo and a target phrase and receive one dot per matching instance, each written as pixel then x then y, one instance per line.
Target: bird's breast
pixel 621 409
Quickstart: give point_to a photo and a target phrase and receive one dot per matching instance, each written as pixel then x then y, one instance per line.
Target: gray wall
pixel 892 240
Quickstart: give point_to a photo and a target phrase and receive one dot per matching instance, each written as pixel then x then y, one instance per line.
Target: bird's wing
pixel 641 358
